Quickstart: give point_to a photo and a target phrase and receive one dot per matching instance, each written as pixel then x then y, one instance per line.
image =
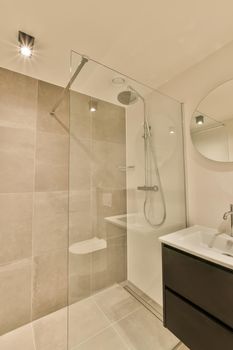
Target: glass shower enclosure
pixel 126 186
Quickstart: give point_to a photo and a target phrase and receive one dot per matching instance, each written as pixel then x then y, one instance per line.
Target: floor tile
pixel 107 340
pixel 19 339
pixel 15 295
pixel 183 347
pixel 116 302
pixel 51 331
pixel 141 330
pixel 85 321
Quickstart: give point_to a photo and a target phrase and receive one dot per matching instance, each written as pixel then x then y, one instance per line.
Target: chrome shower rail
pixel 79 68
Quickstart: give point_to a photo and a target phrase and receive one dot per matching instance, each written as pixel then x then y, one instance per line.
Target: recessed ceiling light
pixel 200 120
pixel 26 43
pixel 118 81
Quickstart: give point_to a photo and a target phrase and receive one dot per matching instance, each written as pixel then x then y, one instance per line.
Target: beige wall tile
pixel 80 164
pixel 108 157
pixel 114 231
pixel 16 159
pixel 51 331
pixel 48 95
pixel 109 265
pixel 117 259
pixel 79 277
pixel 99 276
pixel 109 123
pixel 18 100
pixel 15 295
pixel 49 283
pixel 80 116
pixel 106 203
pixel 50 221
pixel 51 162
pixel 80 227
pixel 16 226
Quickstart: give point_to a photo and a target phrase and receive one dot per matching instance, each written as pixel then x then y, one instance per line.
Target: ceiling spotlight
pixel 200 120
pixel 92 106
pixel 26 43
pixel 118 81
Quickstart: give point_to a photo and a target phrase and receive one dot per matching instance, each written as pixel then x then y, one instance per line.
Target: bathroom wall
pixel 209 183
pixel 33 200
pixel 97 191
pixel 144 248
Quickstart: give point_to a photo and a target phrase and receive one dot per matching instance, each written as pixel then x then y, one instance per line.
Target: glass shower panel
pixel 126 188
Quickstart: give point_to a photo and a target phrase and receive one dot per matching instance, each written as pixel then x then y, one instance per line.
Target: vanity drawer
pixel 205 284
pixel 193 327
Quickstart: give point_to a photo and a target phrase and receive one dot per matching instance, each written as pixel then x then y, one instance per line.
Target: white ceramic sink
pixel 204 242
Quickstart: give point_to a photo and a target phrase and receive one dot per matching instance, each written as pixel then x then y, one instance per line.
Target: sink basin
pixel 204 242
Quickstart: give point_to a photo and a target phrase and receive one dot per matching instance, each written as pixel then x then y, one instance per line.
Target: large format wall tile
pixel 49 283
pixel 108 158
pixel 80 116
pixel 109 265
pixel 80 164
pixel 16 159
pixel 109 123
pixel 51 162
pixel 80 226
pixel 18 100
pixel 50 222
pixel 79 276
pixel 16 226
pixel 48 95
pixel 15 295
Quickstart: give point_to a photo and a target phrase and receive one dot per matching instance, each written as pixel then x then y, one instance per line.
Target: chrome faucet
pixel 225 216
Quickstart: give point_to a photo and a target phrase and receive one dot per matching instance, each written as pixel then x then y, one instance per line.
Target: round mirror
pixel 212 124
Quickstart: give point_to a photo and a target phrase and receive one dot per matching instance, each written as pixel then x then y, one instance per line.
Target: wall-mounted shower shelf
pixel 88 246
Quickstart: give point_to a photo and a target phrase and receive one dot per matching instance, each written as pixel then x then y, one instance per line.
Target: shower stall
pixel 100 177
pixel 126 186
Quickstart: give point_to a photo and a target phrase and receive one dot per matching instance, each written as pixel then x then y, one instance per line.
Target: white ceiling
pixel 150 40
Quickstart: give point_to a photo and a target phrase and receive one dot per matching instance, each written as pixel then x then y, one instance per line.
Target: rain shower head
pixel 127 97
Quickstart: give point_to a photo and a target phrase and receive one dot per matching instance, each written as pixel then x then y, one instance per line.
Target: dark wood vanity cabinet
pixel 198 300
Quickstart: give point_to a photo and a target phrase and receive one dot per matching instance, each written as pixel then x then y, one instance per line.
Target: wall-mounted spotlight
pixel 171 130
pixel 200 120
pixel 93 106
pixel 26 43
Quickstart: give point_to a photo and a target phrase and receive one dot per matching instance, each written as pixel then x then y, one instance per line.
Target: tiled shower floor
pixel 109 320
